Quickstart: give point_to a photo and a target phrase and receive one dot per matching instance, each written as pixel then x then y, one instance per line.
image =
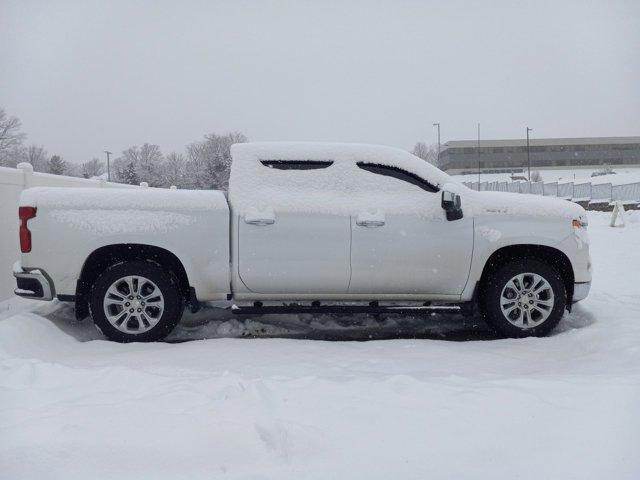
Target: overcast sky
pixel 87 76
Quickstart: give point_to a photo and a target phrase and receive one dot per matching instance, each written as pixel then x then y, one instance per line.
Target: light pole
pixel 478 156
pixel 528 157
pixel 108 168
pixel 437 124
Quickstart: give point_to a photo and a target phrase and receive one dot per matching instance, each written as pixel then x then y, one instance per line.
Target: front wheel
pixel 136 301
pixel 523 298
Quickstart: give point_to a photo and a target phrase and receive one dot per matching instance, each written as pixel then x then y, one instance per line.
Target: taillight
pixel 25 213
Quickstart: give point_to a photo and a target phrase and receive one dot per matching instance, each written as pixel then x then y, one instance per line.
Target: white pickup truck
pixel 305 227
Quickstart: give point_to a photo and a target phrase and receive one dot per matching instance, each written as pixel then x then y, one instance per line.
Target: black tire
pixel 489 300
pixel 165 281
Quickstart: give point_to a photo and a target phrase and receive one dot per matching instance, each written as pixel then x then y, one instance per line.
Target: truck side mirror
pixel 452 205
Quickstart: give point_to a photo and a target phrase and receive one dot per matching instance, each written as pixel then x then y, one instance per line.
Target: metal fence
pixel 550 189
pixel 578 192
pixel 582 191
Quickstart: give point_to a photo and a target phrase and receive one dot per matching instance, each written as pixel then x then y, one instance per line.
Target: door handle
pixel 370 223
pixel 259 221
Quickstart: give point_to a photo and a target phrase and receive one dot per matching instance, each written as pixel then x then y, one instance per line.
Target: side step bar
pixel 345 309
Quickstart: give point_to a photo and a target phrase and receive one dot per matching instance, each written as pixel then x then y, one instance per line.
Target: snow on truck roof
pixel 338 153
pixel 327 179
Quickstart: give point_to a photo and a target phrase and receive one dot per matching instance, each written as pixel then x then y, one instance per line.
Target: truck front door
pixel 402 242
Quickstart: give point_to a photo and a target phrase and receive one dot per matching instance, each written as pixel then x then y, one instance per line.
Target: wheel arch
pixel 105 256
pixel 550 255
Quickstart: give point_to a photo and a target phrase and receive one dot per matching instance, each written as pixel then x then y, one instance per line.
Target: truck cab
pixel 342 223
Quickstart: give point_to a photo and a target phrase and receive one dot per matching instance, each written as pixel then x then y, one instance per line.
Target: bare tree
pixel 10 138
pixel 149 164
pixel 37 156
pixel 173 170
pixel 209 161
pixel 13 156
pixel 147 161
pixel 118 168
pixel 92 168
pixel 426 152
pixel 73 169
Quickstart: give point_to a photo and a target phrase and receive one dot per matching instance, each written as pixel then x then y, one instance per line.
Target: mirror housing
pixel 452 205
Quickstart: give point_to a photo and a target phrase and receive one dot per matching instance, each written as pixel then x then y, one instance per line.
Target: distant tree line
pixel 429 153
pixel 204 164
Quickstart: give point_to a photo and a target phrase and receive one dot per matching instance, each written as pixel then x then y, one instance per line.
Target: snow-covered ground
pixel 622 176
pixel 280 398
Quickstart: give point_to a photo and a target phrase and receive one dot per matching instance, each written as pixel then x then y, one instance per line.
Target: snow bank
pixel 122 199
pixel 623 175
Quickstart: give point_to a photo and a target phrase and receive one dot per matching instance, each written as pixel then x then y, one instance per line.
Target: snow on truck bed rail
pixel 122 199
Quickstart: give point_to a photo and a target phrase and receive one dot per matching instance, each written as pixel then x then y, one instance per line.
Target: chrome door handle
pixel 260 221
pixel 370 223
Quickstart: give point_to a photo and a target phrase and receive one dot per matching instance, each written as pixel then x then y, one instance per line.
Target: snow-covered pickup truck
pixel 305 227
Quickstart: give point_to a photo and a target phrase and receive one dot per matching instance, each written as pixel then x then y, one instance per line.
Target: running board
pixel 345 309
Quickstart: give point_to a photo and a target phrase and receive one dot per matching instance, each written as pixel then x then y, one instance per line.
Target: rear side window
pixel 398 173
pixel 297 164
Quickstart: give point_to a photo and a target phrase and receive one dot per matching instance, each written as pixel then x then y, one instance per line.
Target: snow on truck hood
pixel 506 203
pixel 157 199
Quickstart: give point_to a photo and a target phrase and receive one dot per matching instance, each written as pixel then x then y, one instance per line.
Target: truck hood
pixel 504 203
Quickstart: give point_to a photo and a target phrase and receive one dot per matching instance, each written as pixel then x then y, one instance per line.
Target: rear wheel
pixel 523 298
pixel 136 301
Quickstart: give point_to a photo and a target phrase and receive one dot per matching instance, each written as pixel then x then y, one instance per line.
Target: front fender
pixel 493 232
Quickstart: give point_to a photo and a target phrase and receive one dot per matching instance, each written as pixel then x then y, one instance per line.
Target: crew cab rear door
pixel 297 247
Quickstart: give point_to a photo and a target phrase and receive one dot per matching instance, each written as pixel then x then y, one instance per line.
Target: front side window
pixel 399 174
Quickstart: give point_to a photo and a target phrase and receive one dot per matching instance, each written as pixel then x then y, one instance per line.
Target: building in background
pixel 497 156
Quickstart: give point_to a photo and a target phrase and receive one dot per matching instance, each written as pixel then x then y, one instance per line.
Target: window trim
pixel 297 164
pixel 399 174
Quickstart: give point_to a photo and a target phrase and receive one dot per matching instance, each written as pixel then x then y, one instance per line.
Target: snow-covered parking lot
pixel 280 398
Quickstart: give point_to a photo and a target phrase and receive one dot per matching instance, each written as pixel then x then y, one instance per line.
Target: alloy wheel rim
pixel 133 304
pixel 527 300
